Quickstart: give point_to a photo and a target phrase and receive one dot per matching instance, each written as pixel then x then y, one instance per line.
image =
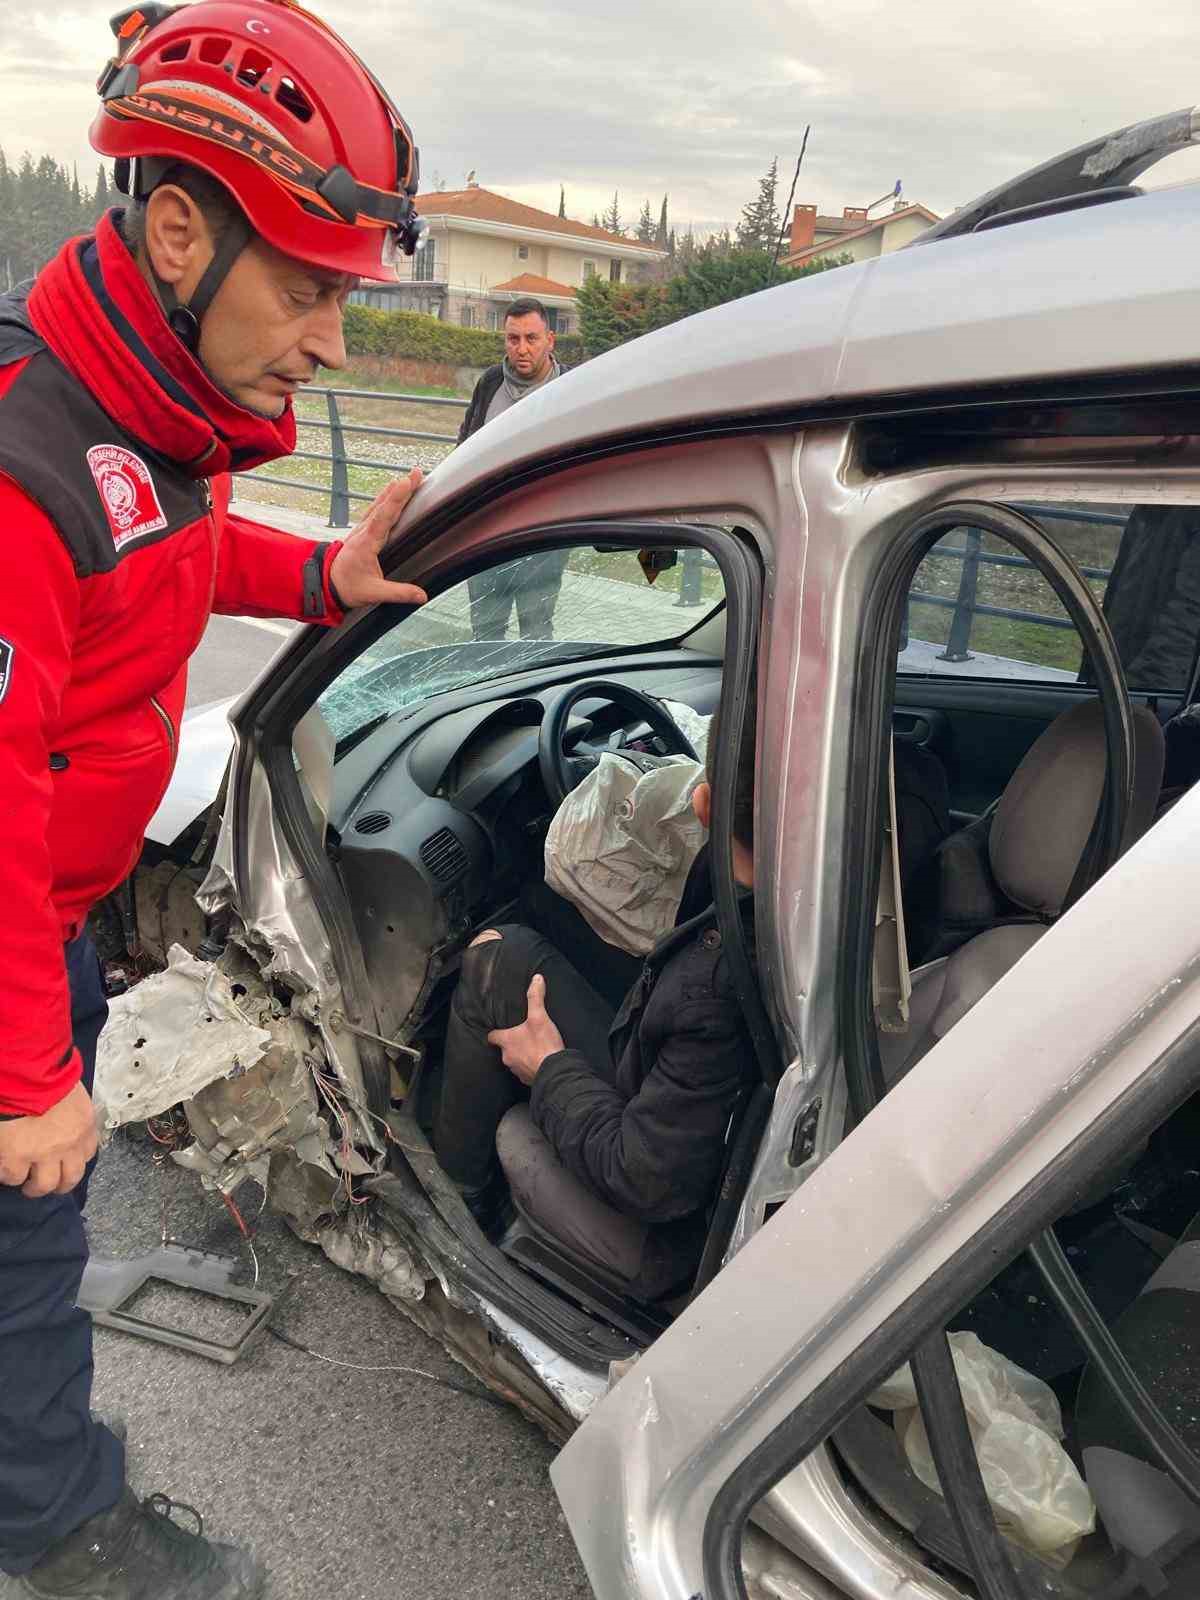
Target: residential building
pixel 482 251
pixel 855 233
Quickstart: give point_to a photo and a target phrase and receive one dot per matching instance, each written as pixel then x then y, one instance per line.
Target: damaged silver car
pixel 939 514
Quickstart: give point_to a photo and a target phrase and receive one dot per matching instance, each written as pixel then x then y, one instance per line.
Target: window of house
pixel 424 261
pixel 466 316
pixel 589 270
pixel 522 252
pixel 614 272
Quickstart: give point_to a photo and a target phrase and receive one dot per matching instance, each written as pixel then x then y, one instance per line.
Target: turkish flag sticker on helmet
pixel 126 492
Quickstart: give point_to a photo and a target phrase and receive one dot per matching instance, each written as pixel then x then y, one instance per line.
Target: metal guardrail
pixel 340 492
pixel 966 605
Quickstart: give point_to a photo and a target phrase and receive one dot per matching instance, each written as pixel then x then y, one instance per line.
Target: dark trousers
pixel 612 972
pixel 531 582
pixel 477 1088
pixel 57 1466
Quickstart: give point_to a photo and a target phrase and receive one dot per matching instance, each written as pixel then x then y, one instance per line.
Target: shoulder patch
pixel 126 492
pixel 6 663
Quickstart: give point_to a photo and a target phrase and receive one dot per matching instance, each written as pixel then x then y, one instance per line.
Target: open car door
pixel 1034 1099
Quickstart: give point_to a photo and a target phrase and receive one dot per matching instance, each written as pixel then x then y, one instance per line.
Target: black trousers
pixel 477 1088
pixel 531 582
pixel 57 1466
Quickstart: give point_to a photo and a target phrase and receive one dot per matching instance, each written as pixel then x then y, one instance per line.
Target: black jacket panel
pixel 649 1136
pixel 481 398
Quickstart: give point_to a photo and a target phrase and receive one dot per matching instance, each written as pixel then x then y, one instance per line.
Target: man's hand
pixel 526 1046
pixel 47 1154
pixel 356 573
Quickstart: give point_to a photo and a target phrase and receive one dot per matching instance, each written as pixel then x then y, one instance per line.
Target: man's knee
pixel 485 937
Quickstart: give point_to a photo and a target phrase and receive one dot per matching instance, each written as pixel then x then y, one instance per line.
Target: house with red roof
pixel 855 233
pixel 482 251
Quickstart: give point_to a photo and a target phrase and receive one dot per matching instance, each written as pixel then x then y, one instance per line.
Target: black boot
pixel 136 1552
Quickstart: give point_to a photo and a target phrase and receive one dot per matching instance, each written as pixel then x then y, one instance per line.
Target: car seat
pixel 1014 872
pixel 1146 1514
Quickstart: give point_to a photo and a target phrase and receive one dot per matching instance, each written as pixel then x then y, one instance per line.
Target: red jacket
pixel 114 458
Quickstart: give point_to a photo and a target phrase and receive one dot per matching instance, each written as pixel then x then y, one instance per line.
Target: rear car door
pixel 1082 1050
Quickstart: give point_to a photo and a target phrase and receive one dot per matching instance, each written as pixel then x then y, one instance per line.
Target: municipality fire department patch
pixel 6 665
pixel 126 492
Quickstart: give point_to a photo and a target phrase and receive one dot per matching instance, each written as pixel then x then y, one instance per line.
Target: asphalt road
pixel 233 652
pixel 364 1485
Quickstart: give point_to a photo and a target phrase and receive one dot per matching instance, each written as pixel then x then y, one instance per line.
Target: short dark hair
pixel 743 786
pixel 218 207
pixel 528 307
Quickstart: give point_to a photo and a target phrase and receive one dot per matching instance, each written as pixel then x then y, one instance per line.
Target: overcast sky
pixel 693 100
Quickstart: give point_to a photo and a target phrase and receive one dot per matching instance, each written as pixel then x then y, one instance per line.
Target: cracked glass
pixel 554 605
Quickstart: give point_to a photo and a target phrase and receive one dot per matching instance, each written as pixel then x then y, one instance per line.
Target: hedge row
pixel 414 337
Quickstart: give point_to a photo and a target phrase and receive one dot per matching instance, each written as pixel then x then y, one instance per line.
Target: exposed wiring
pixel 410 1372
pixel 244 1231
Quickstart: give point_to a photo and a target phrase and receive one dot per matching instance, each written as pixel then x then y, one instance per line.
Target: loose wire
pixel 412 1372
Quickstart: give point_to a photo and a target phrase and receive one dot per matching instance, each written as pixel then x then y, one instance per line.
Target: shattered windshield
pixel 556 605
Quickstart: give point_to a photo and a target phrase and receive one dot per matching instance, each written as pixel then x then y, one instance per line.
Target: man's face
pixel 273 324
pixel 529 344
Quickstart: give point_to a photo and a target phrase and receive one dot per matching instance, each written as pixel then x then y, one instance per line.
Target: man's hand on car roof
pixel 356 573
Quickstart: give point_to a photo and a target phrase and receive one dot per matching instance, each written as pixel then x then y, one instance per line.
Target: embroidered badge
pixel 6 663
pixel 127 493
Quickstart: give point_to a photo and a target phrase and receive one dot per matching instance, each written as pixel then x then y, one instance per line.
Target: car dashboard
pixel 439 815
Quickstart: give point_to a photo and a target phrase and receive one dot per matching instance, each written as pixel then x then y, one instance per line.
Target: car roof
pixel 1110 289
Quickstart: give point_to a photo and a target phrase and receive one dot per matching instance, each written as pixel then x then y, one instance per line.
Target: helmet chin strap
pixel 185 319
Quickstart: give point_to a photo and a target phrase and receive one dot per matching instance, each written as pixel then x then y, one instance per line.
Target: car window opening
pixel 442 800
pixel 1000 757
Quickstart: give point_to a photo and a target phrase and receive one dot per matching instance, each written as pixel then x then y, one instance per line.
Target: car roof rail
pixel 1100 170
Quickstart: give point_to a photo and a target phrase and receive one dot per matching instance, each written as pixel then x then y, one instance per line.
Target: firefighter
pixel 266 172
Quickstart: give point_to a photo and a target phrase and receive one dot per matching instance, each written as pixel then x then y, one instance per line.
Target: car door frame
pixel 894 1232
pixel 640 1479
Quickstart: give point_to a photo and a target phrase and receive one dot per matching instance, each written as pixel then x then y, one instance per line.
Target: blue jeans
pixel 57 1466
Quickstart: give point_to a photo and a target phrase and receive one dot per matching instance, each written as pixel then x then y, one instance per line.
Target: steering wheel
pixel 562 772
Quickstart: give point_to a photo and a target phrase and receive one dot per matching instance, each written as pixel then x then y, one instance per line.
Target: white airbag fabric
pixel 621 845
pixel 1038 1496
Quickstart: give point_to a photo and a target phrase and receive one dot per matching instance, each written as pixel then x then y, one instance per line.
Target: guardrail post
pixel 339 477
pixel 964 608
pixel 690 563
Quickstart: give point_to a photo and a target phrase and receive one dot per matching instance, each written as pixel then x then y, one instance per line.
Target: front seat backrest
pixel 1039 832
pixel 1045 816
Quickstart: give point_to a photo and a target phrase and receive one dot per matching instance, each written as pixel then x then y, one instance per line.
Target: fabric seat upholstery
pixel 1038 833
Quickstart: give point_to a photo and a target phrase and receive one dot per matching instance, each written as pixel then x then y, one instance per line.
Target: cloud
pixel 695 101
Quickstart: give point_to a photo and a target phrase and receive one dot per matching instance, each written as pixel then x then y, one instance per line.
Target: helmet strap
pixel 185 319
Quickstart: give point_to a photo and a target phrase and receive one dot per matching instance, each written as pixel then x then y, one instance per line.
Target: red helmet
pixel 267 99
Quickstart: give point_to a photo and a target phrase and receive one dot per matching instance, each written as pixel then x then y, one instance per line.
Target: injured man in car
pixel 608 1130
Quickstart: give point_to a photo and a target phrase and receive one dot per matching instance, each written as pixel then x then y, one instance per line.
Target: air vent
pixel 373 822
pixel 292 98
pixel 444 855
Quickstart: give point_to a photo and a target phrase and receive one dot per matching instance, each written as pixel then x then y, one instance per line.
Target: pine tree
pixel 562 200
pixel 645 227
pixel 612 217
pixel 596 223
pixel 40 206
pixel 759 227
pixel 663 238
pixel 100 199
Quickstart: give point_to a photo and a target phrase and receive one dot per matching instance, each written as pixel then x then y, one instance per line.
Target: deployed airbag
pixel 621 845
